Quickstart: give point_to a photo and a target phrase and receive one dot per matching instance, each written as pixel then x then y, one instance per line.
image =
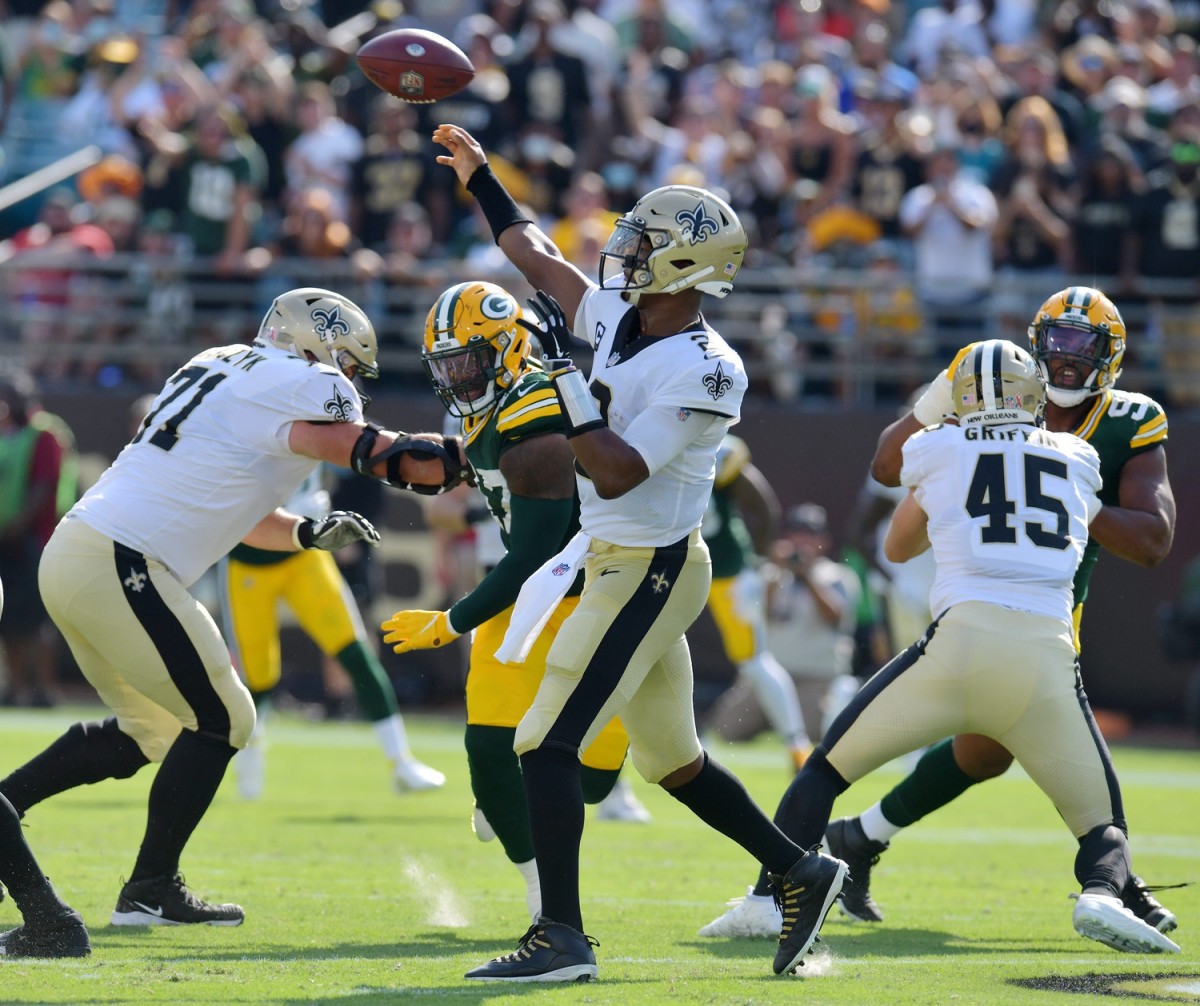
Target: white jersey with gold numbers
pixel 1009 508
pixel 672 398
pixel 212 459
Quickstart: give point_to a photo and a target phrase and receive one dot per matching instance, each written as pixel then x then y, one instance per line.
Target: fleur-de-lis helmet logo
pixel 329 324
pixel 696 224
pixel 717 383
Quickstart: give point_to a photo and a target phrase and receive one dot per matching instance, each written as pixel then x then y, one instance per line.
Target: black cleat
pixel 167 901
pixel 846 840
pixel 804 895
pixel 61 936
pixel 548 952
pixel 1137 897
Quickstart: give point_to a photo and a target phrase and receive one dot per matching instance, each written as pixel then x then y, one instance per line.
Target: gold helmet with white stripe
pixel 474 350
pixel 1078 334
pixel 998 382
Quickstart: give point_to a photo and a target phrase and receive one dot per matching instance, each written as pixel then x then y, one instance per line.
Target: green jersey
pixel 723 529
pixel 528 409
pixel 1119 425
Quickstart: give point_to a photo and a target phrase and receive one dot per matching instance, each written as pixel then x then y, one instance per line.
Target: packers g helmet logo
pixel 697 225
pixel 497 306
pixel 329 324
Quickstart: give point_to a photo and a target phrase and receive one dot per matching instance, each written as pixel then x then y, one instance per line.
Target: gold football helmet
pixel 474 350
pixel 998 382
pixel 675 237
pixel 1083 328
pixel 324 326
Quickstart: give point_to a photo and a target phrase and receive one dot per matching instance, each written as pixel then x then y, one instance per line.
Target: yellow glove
pixel 418 630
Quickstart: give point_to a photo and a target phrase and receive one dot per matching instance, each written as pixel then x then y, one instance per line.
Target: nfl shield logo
pixel 411 82
pixel 561 568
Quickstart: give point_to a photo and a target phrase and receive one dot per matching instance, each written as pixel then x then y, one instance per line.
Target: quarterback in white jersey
pixel 1005 506
pixel 228 439
pixel 644 429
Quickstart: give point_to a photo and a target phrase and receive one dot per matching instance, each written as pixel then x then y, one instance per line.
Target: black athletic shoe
pixel 804 895
pixel 846 840
pixel 1138 899
pixel 61 936
pixel 548 952
pixel 167 901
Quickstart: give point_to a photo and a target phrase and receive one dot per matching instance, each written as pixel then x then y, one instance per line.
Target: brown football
pixel 415 65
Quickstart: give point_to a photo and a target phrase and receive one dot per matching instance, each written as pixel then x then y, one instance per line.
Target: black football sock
pixel 498 787
pixel 185 785
pixel 87 753
pixel 719 799
pixel 804 809
pixel 1103 865
pixel 935 782
pixel 555 797
pixel 20 872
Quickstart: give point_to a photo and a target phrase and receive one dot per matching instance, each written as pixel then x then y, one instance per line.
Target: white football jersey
pixel 690 384
pixel 212 458
pixel 1009 508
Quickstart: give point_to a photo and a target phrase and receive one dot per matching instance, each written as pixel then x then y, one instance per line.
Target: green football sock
pixel 935 782
pixel 499 788
pixel 597 782
pixel 372 687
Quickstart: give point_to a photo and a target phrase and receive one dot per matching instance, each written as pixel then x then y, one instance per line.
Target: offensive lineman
pixel 665 388
pixel 230 436
pixel 1005 505
pixel 476 352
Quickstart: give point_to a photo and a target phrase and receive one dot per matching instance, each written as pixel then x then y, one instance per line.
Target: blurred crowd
pixel 945 152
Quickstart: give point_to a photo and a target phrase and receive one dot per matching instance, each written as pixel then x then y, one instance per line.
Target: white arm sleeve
pixel 662 432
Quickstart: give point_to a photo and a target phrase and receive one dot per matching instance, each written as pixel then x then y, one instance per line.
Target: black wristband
pixel 499 208
pixel 304 532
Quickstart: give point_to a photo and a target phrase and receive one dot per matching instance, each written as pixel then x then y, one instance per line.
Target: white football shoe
pixel 622 805
pixel 1108 921
pixel 482 827
pixel 411 775
pixel 753 916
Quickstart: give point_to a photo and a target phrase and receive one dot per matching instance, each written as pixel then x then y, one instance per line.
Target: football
pixel 415 65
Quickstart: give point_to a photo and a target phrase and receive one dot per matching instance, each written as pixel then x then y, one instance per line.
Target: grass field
pixel 355 895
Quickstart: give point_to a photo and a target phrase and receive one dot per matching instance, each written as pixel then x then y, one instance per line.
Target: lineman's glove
pixel 419 630
pixel 938 400
pixel 337 530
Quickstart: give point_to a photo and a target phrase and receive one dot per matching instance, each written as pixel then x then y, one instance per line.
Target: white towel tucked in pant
pixel 540 596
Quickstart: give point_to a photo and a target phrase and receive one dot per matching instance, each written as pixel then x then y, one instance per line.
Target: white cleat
pixel 482 828
pixel 753 916
pixel 1107 921
pixel 411 775
pixel 622 805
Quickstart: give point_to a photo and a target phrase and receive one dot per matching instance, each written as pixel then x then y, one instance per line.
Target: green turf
pixel 354 894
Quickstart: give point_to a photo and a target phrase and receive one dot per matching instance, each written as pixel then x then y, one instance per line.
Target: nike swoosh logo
pixel 148 910
pixel 607 571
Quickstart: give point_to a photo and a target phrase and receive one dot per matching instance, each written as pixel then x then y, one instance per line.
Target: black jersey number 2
pixel 988 497
pixel 167 433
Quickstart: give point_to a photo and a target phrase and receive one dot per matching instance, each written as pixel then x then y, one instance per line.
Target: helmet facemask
pixel 464 377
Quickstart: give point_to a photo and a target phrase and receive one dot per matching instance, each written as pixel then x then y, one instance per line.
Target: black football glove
pixel 337 530
pixel 552 330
